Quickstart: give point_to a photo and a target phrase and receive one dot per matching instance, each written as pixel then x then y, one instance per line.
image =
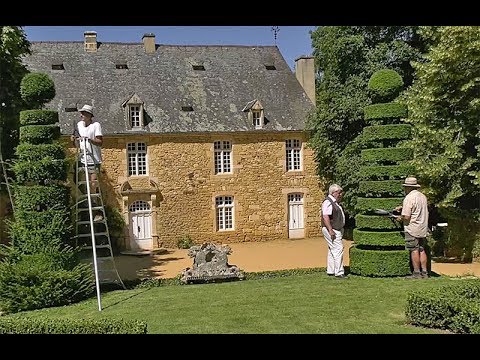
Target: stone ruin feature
pixel 210 263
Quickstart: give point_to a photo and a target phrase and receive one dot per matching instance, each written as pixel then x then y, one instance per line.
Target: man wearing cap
pixel 91 132
pixel 415 220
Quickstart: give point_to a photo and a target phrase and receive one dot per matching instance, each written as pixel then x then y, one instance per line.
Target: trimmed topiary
pixel 379 263
pixel 39 134
pixel 37 89
pixel 41 269
pixel 379 243
pixel 390 111
pixel 38 117
pixel 385 85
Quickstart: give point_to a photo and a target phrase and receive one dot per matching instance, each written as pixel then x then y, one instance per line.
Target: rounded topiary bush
pixel 385 85
pixel 37 89
pixel 38 117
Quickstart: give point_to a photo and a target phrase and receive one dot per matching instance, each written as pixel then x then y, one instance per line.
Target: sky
pixel 292 41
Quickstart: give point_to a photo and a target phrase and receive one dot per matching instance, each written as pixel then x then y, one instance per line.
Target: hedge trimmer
pixel 390 214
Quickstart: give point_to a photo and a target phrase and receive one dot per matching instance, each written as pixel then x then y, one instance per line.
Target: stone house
pixel 204 141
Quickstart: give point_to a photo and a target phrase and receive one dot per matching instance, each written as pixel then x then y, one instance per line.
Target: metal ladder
pixel 91 235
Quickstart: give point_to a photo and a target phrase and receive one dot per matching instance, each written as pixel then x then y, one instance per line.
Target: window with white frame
pixel 137 159
pixel 134 109
pixel 257 119
pixel 224 210
pixel 135 116
pixel 293 154
pixel 223 157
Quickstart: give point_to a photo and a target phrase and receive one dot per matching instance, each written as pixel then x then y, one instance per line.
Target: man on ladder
pixel 90 137
pixel 91 132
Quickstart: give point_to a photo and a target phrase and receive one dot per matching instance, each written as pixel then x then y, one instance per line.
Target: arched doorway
pixel 140 225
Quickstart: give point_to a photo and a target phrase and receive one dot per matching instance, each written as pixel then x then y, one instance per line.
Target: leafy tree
pixel 444 107
pixel 13 45
pixel 346 57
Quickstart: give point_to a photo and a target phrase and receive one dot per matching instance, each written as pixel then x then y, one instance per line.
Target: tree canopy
pixel 346 57
pixel 444 108
pixel 13 45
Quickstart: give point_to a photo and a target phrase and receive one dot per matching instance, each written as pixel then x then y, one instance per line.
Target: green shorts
pixel 414 243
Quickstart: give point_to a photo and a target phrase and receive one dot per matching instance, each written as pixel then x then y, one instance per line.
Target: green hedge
pixel 34 197
pixel 27 285
pixel 390 188
pixel 368 205
pixel 30 152
pixel 37 89
pixel 387 155
pixel 39 134
pixel 379 263
pixel 379 238
pixel 454 307
pixel 385 85
pixel 42 171
pixel 376 222
pixel 387 132
pixel 386 172
pixel 33 230
pixel 9 325
pixel 38 117
pixel 385 111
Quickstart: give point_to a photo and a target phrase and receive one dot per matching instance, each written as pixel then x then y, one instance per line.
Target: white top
pixel 415 206
pixel 91 131
pixel 327 207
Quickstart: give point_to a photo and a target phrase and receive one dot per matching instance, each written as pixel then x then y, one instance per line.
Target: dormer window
pixel 270 67
pixel 255 113
pixel 198 67
pixel 134 109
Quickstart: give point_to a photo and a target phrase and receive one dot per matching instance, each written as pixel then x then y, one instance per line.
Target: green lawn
pixel 296 304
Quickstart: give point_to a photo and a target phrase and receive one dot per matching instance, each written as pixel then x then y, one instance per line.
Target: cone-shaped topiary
pixel 41 269
pixel 379 245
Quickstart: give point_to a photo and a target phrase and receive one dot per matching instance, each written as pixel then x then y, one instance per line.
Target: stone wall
pixel 181 186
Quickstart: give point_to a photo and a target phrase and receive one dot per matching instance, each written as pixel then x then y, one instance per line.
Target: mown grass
pixel 308 303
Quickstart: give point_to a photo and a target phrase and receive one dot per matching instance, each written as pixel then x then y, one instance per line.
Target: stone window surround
pixel 293 153
pixel 134 101
pixel 218 168
pixel 223 196
pixel 137 152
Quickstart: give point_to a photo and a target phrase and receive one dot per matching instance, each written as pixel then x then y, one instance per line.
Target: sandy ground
pixel 257 256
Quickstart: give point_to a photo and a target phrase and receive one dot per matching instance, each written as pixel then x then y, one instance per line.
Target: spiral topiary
pixel 379 245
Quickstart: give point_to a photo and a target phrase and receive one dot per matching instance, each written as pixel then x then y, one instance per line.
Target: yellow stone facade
pixel 181 186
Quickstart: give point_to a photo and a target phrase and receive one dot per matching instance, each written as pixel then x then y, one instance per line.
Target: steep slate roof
pixel 165 81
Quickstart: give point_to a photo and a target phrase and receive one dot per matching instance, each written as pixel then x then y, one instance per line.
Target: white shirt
pixel 327 208
pixel 91 131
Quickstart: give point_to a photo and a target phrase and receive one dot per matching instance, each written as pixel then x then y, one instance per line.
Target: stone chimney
pixel 90 41
pixel 149 43
pixel 305 73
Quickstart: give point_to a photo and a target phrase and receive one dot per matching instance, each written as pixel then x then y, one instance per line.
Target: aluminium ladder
pixel 92 234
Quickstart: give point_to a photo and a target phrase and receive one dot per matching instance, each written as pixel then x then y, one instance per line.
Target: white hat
pixel 87 108
pixel 411 182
